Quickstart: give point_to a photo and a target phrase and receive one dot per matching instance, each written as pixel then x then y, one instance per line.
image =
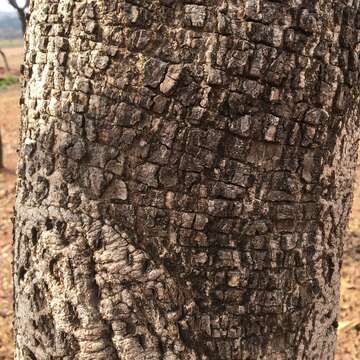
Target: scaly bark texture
pixel 185 178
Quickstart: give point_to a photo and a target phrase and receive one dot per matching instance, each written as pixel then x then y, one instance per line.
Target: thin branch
pixel 1 153
pixel 26 5
pixel 14 4
pixel 7 67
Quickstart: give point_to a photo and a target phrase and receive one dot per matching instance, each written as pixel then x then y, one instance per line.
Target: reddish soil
pixel 9 124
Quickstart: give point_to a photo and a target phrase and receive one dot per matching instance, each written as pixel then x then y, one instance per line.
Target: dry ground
pixel 9 123
pixel 349 322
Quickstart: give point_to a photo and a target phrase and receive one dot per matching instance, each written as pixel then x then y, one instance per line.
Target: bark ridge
pixel 185 178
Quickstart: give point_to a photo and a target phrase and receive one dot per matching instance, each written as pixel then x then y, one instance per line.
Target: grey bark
pixel 185 178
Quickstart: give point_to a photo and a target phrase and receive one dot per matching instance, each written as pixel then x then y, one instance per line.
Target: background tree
pixel 1 153
pixel 6 64
pixel 185 179
pixel 22 11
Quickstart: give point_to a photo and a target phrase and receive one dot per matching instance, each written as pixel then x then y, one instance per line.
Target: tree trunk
pixel 21 11
pixel 1 153
pixel 185 178
pixel 22 18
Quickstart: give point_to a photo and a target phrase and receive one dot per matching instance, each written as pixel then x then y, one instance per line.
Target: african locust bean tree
pixel 22 10
pixel 185 178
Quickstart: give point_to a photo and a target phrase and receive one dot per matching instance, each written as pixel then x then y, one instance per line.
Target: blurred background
pixel 12 24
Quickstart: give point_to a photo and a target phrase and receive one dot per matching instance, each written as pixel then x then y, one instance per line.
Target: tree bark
pixel 185 178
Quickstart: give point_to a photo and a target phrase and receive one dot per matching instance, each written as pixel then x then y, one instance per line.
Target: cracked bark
pixel 185 178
